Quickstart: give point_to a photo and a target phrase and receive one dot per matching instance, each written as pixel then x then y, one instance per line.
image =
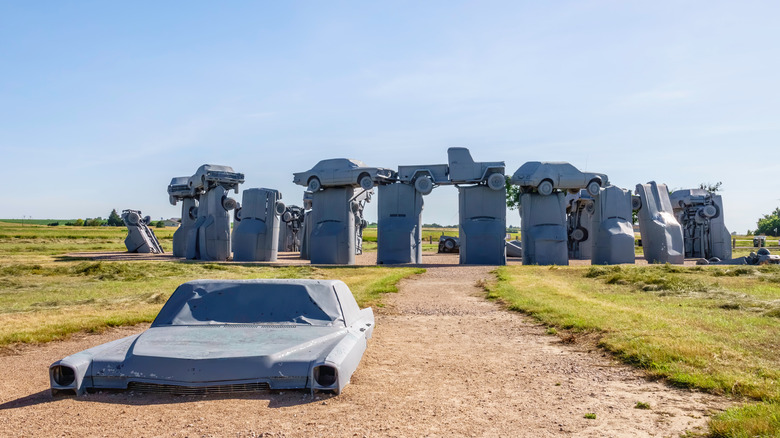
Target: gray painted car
pixel 216 336
pixel 343 172
pixel 546 176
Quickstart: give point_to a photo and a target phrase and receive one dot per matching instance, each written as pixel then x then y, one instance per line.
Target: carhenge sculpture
pixel 662 236
pixel 700 214
pixel 543 208
pixel 340 189
pixel 580 207
pixel 211 238
pixel 256 227
pixel 179 190
pixel 482 211
pixel 613 233
pixel 140 238
pixel 290 229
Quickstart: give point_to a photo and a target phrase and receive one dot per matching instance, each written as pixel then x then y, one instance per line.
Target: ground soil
pixel 443 362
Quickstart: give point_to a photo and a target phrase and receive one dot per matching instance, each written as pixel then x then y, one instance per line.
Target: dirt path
pixel 443 362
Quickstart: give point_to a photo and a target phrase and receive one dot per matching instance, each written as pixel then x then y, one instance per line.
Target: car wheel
pixel 424 185
pixel 579 235
pixel 280 208
pixel 594 187
pixel 314 184
pixel 366 183
pixel 449 244
pixel 545 188
pixel 133 218
pixel 636 203
pixel 709 211
pixel 496 181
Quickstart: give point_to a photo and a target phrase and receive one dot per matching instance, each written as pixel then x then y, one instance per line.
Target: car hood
pixel 213 353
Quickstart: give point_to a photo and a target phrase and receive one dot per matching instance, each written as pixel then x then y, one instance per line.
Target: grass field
pixel 712 328
pixel 45 296
pixel 716 328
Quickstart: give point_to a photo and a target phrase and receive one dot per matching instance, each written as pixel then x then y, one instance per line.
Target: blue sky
pixel 101 103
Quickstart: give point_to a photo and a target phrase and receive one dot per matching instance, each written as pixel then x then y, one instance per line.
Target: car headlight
pixel 63 375
pixel 326 375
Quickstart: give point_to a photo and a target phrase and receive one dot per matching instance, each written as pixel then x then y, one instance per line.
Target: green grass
pixel 46 296
pixel 713 328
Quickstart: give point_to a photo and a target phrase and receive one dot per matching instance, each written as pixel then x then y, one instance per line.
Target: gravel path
pixel 443 362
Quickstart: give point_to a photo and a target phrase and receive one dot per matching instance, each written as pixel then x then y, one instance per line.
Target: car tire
pixel 314 184
pixel 545 188
pixel 449 244
pixel 579 234
pixel 594 187
pixel 496 181
pixel 636 203
pixel 133 218
pixel 424 185
pixel 365 181
pixel 280 208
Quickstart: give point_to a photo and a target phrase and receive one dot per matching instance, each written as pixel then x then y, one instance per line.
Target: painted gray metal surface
pixel 337 225
pixel 140 238
pixel 662 236
pixel 613 232
pixel 543 177
pixel 211 239
pixel 449 244
pixel 464 170
pixel 290 229
pixel 543 229
pixel 762 257
pixel 399 229
pixel 179 190
pixel 579 224
pixel 424 177
pixel 256 227
pixel 227 334
pixel 514 248
pixel 482 224
pixel 343 172
pixel 700 214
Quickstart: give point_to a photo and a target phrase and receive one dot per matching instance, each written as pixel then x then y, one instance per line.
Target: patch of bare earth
pixel 443 362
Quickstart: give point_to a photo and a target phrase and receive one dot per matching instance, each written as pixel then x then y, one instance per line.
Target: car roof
pixel 337 162
pixel 266 301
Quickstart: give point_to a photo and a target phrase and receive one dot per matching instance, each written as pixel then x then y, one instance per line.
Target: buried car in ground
pixel 218 336
pixel 343 172
pixel 546 176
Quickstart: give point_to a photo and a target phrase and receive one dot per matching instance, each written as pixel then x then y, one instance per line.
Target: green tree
pixel 114 220
pixel 79 222
pixel 512 195
pixel 159 224
pixel 770 223
pixel 710 187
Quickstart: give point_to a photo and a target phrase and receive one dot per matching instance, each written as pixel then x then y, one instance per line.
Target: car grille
pixel 197 390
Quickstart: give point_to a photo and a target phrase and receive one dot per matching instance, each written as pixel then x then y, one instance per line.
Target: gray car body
pixel 219 335
pixel 343 172
pixel 562 175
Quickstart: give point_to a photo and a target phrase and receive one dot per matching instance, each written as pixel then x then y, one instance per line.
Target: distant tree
pixel 78 223
pixel 710 187
pixel 770 223
pixel 53 224
pixel 96 222
pixel 114 220
pixel 512 195
pixel 159 224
